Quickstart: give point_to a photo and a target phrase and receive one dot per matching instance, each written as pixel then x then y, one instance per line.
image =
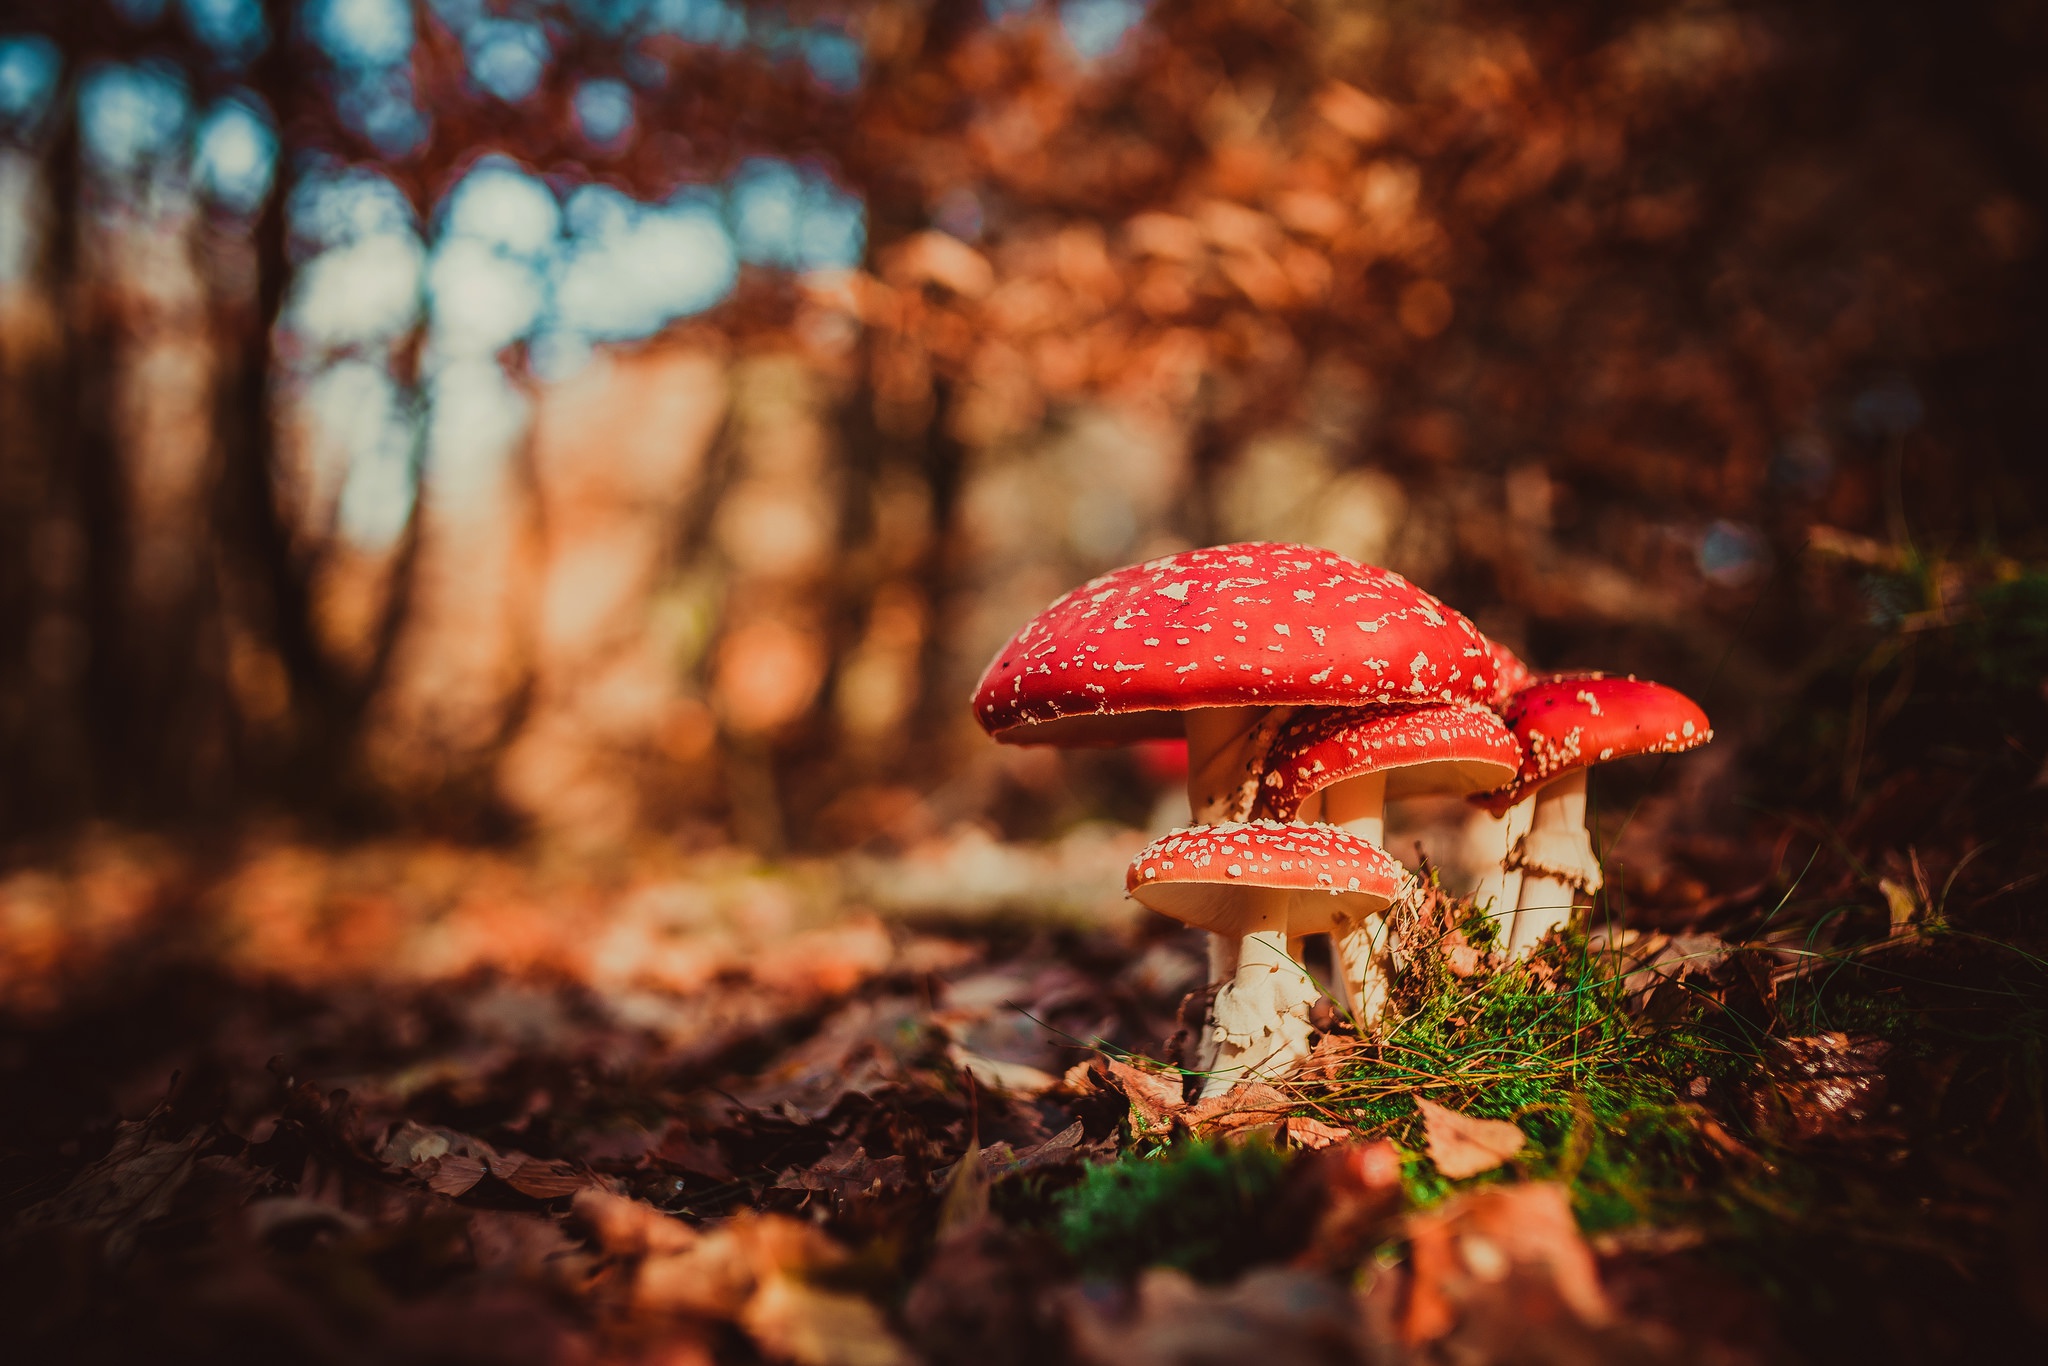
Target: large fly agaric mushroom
pixel 1341 765
pixel 1210 644
pixel 1263 884
pixel 1566 725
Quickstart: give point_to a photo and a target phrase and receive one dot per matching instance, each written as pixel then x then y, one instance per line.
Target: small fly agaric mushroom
pixel 1341 765
pixel 1214 644
pixel 1566 725
pixel 1263 883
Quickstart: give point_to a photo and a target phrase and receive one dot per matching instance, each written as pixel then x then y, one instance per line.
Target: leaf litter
pixel 409 1104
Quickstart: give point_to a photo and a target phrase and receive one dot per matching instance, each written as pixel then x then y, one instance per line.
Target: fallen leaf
pixel 1353 1189
pixel 715 1274
pixel 1250 1106
pixel 1154 1099
pixel 534 1176
pixel 1304 1132
pixel 1081 1079
pixel 684 1153
pixel 451 1174
pixel 1822 1086
pixel 847 1171
pixel 1273 1315
pixel 1492 1252
pixel 529 1246
pixel 1003 1078
pixel 1062 1148
pixel 965 1203
pixel 133 1184
pixel 1462 1146
pixel 626 1227
pixel 813 1327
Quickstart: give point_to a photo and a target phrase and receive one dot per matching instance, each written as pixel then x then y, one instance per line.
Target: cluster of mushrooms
pixel 1311 689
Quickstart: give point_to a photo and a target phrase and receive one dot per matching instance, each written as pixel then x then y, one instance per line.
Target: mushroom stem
pixel 1360 807
pixel 1261 1022
pixel 1559 870
pixel 1493 839
pixel 1219 744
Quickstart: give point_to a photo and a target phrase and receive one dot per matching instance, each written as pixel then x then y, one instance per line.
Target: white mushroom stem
pixel 1491 841
pixel 1222 747
pixel 1360 807
pixel 1556 861
pixel 1261 1022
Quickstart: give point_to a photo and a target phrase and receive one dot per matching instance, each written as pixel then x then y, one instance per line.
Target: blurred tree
pixel 1584 316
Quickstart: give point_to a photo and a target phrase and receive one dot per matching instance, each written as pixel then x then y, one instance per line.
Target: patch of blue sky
pixel 360 296
pixel 331 207
pixel 834 58
pixel 481 300
pixel 234 30
pixel 501 205
pixel 1096 28
pixel 234 153
pixel 488 280
pixel 132 116
pixel 29 66
pixel 786 215
pixel 362 286
pixel 506 57
pixel 604 111
pixel 715 23
pixel 379 104
pixel 362 33
pixel 631 269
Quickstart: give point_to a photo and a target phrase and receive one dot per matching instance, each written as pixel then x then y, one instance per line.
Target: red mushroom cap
pixel 1566 724
pixel 1259 624
pixel 1215 877
pixel 1510 674
pixel 1433 749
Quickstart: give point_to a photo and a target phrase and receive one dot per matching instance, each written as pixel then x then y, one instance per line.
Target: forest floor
pixel 403 1102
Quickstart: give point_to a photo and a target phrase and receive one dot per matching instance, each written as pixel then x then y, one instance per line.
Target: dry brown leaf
pixel 544 1180
pixel 1511 1245
pixel 966 1200
pixel 1243 1107
pixel 716 1274
pixel 1462 1146
pixel 1080 1079
pixel 626 1227
pixel 451 1174
pixel 134 1183
pixel 1313 1133
pixel 1156 1099
pixel 1004 1078
pixel 812 1327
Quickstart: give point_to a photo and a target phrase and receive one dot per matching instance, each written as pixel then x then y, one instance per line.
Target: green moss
pixel 1196 1205
pixel 1602 1096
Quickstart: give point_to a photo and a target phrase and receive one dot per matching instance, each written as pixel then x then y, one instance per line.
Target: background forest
pixel 503 504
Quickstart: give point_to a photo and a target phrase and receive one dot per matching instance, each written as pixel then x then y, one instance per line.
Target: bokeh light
pixel 506 57
pixel 131 116
pixel 29 67
pixel 235 30
pixel 1097 28
pixel 234 153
